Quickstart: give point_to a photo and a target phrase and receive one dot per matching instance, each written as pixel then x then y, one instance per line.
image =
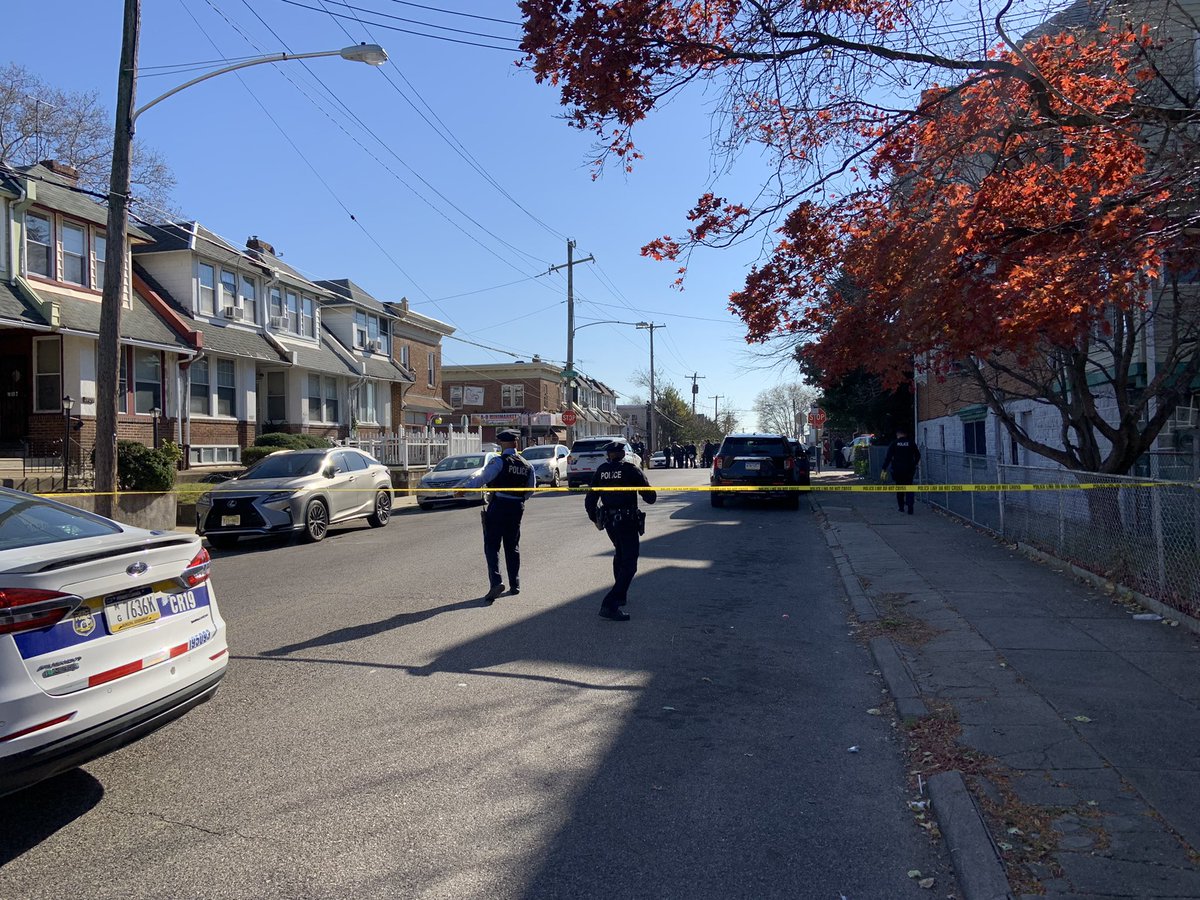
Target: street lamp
pixel 68 404
pixel 154 414
pixel 569 374
pixel 118 224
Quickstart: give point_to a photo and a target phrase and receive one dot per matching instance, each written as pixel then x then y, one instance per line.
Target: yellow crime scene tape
pixel 705 488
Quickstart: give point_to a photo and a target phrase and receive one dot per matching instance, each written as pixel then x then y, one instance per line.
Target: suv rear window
pixel 755 447
pixel 590 446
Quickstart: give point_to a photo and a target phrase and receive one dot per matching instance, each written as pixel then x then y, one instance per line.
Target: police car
pixel 587 455
pixel 107 632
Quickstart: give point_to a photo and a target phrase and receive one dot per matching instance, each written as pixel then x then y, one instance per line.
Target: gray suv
pixel 302 491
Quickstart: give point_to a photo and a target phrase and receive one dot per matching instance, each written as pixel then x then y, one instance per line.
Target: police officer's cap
pixel 508 436
pixel 614 447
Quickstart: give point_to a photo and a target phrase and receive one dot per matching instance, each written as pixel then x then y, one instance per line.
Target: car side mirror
pixel 330 471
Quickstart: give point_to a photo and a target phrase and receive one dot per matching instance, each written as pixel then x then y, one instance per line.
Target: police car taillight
pixel 197 570
pixel 23 609
pixel 717 462
pixel 789 461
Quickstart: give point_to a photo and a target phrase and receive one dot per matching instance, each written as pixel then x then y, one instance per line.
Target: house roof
pixel 406 316
pixel 1079 14
pixel 320 357
pixel 374 366
pixel 349 292
pixel 14 309
pixel 271 261
pixel 225 339
pixel 60 194
pixel 167 237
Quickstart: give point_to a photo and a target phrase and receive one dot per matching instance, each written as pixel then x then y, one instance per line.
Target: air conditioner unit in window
pixel 276 322
pixel 374 346
pixel 232 312
pixel 1184 417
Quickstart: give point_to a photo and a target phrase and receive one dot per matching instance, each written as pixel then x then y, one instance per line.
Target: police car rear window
pixel 754 447
pixel 30 522
pixel 590 446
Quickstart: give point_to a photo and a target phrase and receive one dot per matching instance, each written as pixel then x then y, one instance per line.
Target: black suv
pixel 763 461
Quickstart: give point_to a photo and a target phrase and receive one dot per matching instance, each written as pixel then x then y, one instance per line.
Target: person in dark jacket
pixel 618 514
pixel 508 476
pixel 902 458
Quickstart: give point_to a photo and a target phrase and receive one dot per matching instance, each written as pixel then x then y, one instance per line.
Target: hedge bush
pixel 266 444
pixel 142 468
pixel 251 455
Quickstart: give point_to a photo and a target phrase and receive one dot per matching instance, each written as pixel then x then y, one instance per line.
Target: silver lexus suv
pixel 302 491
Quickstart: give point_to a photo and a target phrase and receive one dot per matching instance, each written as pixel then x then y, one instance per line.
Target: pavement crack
pixel 169 821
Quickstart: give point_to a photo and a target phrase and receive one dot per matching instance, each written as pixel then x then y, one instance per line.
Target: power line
pixel 436 37
pixel 452 12
pixel 358 9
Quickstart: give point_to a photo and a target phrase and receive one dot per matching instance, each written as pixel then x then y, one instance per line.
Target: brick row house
pixel 526 395
pixel 418 348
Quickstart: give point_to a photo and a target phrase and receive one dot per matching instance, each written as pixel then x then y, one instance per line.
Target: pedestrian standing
pixel 508 476
pixel 902 458
pixel 618 514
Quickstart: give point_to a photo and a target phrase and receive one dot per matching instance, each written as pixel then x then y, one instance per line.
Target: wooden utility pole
pixel 108 351
pixel 569 373
pixel 652 421
pixel 695 390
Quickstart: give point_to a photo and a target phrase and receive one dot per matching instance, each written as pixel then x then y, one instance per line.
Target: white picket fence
pixel 418 448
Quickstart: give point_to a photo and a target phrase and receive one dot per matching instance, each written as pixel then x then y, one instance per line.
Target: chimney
pixel 62 170
pixel 256 243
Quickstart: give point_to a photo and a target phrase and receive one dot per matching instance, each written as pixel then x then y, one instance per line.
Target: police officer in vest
pixel 618 514
pixel 505 476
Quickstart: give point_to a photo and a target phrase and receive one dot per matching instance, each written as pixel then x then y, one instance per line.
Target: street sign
pixel 569 418
pixel 816 417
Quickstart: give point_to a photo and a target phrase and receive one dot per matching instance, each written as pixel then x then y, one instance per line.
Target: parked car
pixel 658 459
pixel 107 632
pixel 301 491
pixel 438 484
pixel 587 454
pixel 549 463
pixel 762 461
pixel 802 467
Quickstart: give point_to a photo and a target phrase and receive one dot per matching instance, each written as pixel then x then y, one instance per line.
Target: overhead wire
pixel 454 12
pixel 436 37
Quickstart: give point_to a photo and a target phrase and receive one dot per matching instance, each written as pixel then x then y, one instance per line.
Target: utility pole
pixel 652 421
pixel 695 390
pixel 569 372
pixel 108 348
pixel 715 398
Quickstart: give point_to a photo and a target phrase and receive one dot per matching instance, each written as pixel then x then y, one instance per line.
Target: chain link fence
pixel 1145 538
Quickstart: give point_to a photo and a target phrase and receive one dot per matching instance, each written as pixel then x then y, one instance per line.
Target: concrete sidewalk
pixel 1075 726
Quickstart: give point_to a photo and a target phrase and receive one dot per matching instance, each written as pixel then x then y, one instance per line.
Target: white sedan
pixel 549 463
pixel 107 632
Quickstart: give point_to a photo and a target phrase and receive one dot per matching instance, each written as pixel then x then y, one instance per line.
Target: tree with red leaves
pixel 1016 210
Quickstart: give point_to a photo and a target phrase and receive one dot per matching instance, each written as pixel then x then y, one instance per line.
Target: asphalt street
pixel 382 733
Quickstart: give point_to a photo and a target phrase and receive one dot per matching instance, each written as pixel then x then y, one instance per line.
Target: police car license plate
pixel 230 521
pixel 131 612
pixel 753 466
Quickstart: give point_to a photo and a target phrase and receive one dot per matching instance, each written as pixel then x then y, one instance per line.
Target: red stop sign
pixel 569 417
pixel 816 417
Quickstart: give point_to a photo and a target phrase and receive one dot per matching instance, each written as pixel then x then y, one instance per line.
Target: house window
pixel 293 312
pixel 308 316
pixel 404 355
pixel 215 455
pixel 250 299
pixel 276 304
pixel 366 404
pixel 207 276
pixel 314 398
pixel 39 246
pixel 100 249
pixel 512 396
pixel 432 379
pixel 228 290
pixel 147 381
pixel 456 396
pixel 226 388
pixel 385 342
pixel 331 400
pixel 975 438
pixel 122 381
pixel 360 329
pixel 200 398
pixel 47 375
pixel 74 241
pixel 276 397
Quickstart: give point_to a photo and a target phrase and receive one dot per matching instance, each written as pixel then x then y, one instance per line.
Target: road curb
pixel 976 864
pixel 979 870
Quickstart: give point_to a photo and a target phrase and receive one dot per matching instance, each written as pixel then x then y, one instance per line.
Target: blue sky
pixel 427 224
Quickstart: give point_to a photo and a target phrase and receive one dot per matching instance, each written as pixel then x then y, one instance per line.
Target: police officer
pixel 618 514
pixel 504 476
pixel 903 457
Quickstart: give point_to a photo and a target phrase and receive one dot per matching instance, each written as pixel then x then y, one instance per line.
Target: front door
pixel 15 394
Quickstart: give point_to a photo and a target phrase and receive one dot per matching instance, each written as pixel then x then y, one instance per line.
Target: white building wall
pixel 175 272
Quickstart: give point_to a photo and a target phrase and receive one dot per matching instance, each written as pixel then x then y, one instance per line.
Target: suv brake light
pixel 717 462
pixel 24 609
pixel 788 462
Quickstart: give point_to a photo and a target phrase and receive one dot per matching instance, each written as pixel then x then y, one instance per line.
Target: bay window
pixel 39 245
pixel 74 249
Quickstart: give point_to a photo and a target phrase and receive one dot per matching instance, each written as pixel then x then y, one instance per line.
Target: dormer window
pixel 74 247
pixel 100 250
pixel 249 299
pixel 57 248
pixel 371 333
pixel 206 276
pixel 229 293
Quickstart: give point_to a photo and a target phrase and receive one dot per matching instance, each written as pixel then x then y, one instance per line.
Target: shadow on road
pixel 44 809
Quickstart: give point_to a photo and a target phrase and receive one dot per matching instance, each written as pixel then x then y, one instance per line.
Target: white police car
pixel 107 632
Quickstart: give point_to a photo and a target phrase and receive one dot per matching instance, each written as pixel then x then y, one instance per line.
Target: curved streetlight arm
pixel 604 322
pixel 372 54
